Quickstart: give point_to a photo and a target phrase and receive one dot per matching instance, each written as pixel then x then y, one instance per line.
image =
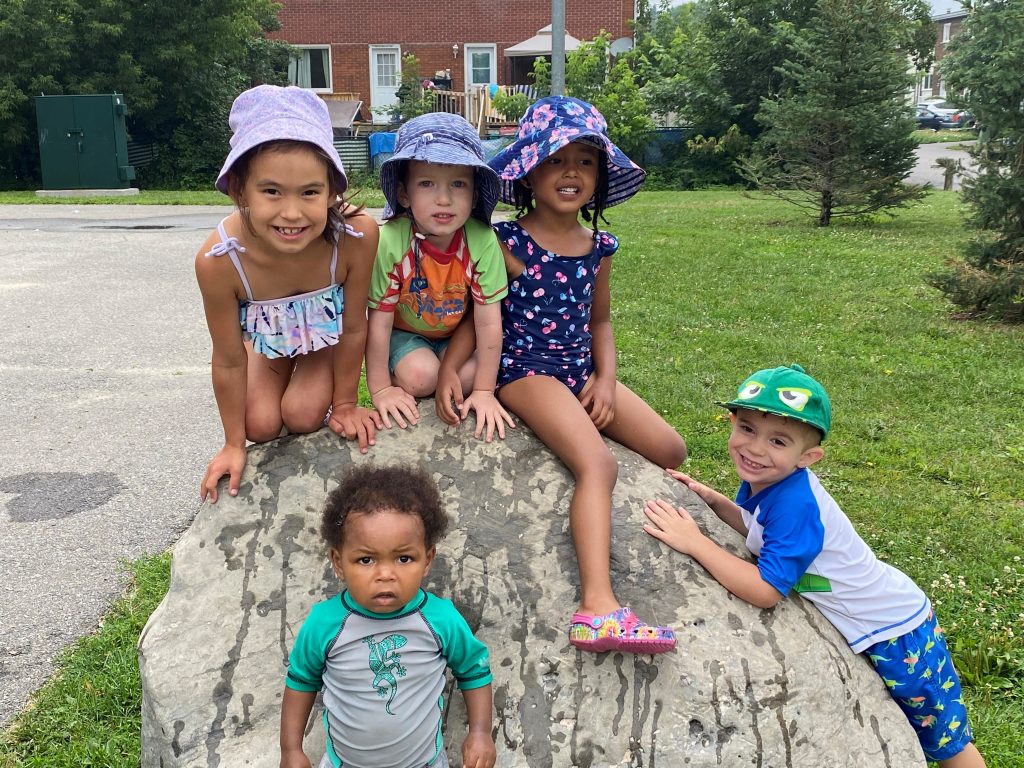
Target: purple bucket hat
pixel 272 113
pixel 551 123
pixel 440 137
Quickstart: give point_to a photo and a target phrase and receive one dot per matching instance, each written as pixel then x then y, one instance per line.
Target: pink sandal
pixel 620 630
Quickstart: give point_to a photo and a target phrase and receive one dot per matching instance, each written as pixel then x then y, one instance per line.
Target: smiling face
pixel 440 197
pixel 766 448
pixel 566 180
pixel 382 559
pixel 287 194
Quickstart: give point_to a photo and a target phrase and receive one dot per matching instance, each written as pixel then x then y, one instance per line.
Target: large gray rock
pixel 745 687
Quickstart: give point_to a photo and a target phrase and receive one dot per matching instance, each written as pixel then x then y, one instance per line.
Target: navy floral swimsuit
pixel 546 315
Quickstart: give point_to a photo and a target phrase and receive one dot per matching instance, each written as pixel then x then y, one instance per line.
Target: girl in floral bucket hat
pixel 438 263
pixel 280 277
pixel 558 352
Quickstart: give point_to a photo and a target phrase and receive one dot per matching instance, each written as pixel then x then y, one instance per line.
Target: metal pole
pixel 557 47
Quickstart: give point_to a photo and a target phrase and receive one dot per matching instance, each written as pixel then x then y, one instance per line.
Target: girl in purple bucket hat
pixel 558 354
pixel 297 270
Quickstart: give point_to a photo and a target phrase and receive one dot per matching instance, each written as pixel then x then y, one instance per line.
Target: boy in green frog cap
pixel 805 543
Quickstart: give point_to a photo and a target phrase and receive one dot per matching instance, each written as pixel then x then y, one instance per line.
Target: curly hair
pixel 368 489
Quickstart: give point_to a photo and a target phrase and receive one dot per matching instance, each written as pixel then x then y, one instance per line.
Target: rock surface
pixel 744 688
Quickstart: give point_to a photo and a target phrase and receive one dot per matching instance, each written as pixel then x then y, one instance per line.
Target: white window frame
pixel 293 73
pixel 947 30
pixel 468 50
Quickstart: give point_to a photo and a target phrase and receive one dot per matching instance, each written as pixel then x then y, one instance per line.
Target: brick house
pixel 947 26
pixel 354 49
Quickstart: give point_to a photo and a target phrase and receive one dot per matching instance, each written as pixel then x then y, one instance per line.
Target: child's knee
pixel 417 378
pixel 599 466
pixel 304 418
pixel 673 452
pixel 261 429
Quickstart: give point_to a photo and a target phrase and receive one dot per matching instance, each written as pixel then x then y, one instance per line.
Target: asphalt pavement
pixel 107 416
pixel 925 171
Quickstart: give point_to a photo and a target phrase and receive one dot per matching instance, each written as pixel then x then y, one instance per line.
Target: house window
pixel 946 31
pixel 387 72
pixel 481 68
pixel 926 83
pixel 311 68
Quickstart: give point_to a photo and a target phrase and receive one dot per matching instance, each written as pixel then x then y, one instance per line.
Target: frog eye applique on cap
pixel 794 397
pixel 750 390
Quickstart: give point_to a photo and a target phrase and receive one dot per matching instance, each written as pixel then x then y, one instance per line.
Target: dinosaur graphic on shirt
pixel 386 665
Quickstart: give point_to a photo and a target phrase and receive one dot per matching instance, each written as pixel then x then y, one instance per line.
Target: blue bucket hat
pixel 272 113
pixel 443 138
pixel 785 391
pixel 548 125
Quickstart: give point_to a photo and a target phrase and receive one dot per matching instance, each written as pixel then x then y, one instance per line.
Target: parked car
pixel 942 115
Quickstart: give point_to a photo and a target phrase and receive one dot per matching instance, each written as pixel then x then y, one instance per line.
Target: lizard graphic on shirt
pixel 386 665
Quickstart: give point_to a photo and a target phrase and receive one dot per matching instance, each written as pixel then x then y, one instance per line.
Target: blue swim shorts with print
pixel 918 671
pixel 404 342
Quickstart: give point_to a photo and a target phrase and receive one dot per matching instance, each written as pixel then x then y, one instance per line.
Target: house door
pixel 481 65
pixel 385 76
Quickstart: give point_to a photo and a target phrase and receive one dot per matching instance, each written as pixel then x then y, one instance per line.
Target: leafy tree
pixel 541 76
pixel 984 65
pixel 179 65
pixel 742 42
pixel 624 107
pixel 593 76
pixel 413 100
pixel 838 138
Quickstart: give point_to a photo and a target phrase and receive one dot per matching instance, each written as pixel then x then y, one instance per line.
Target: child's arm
pixel 726 509
pixel 489 413
pixel 478 749
pixel 677 528
pixel 295 709
pixel 449 383
pixel 390 401
pixel 347 418
pixel 598 395
pixel 228 368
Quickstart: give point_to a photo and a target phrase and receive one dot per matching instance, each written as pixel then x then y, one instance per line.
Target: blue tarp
pixel 382 142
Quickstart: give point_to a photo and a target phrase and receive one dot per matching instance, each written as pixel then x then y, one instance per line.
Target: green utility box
pixel 82 142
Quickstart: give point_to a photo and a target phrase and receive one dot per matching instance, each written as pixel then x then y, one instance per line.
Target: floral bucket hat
pixel 551 123
pixel 274 113
pixel 785 391
pixel 446 139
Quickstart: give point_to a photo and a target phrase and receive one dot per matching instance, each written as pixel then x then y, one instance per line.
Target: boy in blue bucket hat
pixel 804 543
pixel 438 259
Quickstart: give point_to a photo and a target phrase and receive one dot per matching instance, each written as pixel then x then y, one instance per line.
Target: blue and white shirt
pixel 804 542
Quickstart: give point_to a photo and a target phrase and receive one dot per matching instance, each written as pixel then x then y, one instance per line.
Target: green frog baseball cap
pixel 785 391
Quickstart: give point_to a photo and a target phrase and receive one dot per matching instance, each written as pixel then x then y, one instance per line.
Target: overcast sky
pixel 938 6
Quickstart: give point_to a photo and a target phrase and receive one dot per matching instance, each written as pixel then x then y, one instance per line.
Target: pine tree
pixel 985 66
pixel 838 136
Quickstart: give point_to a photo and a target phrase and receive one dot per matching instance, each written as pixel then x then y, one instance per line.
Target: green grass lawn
pixel 928 136
pixel 925 455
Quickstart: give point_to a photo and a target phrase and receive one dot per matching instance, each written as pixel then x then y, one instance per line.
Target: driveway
pixel 107 417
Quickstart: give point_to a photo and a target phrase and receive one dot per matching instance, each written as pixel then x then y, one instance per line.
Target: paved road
pixel 925 170
pixel 106 415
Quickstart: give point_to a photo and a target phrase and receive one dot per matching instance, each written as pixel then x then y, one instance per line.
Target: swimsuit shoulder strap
pixel 229 245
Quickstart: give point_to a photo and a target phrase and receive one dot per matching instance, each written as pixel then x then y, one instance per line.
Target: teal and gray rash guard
pixel 382 677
